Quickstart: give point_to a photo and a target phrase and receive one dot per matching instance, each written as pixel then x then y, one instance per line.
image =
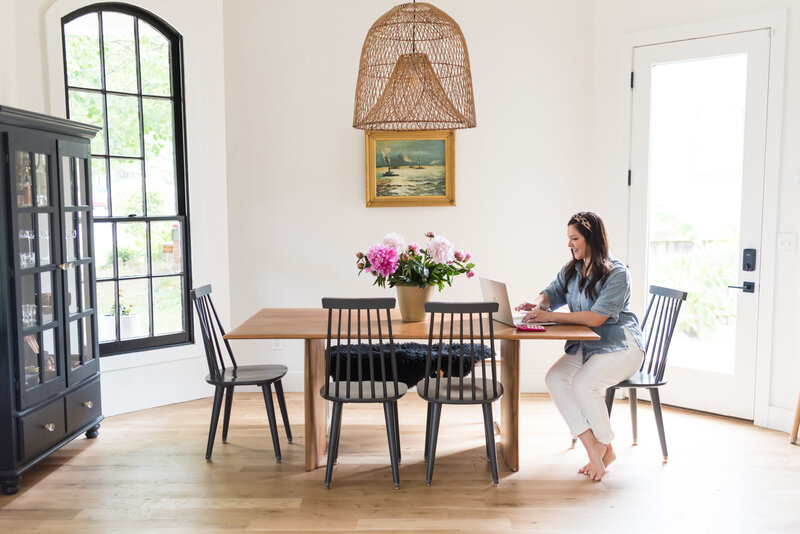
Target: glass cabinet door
pixel 41 365
pixel 78 267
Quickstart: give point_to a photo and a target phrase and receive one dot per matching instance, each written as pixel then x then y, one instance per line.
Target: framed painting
pixel 410 168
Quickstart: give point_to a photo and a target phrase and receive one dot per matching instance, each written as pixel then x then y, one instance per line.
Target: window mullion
pixel 141 113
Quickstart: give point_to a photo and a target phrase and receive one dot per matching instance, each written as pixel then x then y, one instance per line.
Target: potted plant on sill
pixel 414 270
pixel 128 320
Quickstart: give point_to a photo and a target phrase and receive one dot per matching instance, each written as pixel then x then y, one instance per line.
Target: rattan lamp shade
pixel 414 73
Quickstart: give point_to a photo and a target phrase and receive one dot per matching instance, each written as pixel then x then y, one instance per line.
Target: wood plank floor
pixel 147 473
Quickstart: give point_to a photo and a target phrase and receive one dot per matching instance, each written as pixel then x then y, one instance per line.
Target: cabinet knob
pixel 50 427
pixel 89 404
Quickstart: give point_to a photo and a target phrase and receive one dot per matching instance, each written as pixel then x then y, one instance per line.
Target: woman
pixel 597 290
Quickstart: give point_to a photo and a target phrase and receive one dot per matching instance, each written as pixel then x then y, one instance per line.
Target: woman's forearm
pixel 585 318
pixel 543 301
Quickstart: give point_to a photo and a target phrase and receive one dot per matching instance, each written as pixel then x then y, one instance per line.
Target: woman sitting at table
pixel 597 290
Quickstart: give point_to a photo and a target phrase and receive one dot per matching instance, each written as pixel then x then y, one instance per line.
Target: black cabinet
pixel 49 372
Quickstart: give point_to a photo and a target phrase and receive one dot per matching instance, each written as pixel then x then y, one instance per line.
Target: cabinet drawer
pixel 42 429
pixel 83 406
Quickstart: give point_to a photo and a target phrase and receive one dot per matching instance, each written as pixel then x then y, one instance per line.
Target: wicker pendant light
pixel 414 73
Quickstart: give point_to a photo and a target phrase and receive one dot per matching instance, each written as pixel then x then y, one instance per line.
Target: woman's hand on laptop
pixel 527 306
pixel 538 315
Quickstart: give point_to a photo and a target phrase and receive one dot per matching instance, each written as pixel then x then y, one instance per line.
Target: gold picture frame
pixel 410 168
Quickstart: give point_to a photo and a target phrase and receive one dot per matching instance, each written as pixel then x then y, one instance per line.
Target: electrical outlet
pixel 277 344
pixel 787 242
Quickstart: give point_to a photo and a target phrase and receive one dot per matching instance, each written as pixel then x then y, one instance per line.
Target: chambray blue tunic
pixel 613 300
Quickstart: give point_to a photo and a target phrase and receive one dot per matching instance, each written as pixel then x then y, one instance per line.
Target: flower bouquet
pixel 399 264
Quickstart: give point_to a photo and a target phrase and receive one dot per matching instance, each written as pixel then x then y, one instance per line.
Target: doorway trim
pixel 776 22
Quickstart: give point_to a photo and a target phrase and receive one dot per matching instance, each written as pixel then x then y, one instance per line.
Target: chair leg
pixel 428 429
pixel 633 403
pixel 284 413
pixel 490 445
pixel 391 433
pixel 212 431
pixel 656 399
pixel 436 415
pixel 610 399
pixel 333 445
pixel 397 430
pixel 796 424
pixel 336 447
pixel 273 425
pixel 227 418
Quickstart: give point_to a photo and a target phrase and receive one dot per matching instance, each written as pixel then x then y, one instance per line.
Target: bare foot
pixel 596 469
pixel 608 457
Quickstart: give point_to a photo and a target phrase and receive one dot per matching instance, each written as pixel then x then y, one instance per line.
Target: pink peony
pixel 394 240
pixel 430 234
pixel 441 250
pixel 461 255
pixel 414 247
pixel 470 273
pixel 383 259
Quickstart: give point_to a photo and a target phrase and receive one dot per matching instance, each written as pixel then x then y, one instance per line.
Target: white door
pixel 698 131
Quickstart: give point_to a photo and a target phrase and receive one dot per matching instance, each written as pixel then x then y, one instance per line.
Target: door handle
pixel 747 287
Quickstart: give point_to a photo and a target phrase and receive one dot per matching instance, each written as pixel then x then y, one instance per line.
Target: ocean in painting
pixel 411 182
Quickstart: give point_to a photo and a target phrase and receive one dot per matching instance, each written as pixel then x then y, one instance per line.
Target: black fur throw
pixel 410 359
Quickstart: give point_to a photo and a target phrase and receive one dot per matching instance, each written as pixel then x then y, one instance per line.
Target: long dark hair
pixel 591 227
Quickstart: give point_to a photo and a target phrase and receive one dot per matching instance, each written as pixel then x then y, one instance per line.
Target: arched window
pixel 123 69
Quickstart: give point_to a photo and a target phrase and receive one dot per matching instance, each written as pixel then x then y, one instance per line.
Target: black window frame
pixel 151 341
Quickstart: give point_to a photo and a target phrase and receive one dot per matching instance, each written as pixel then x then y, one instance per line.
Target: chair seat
pixel 641 380
pixel 249 375
pixel 454 394
pixel 380 395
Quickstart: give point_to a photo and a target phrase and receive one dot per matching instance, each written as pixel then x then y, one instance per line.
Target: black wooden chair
pixel 355 332
pixel 658 326
pixel 226 378
pixel 448 379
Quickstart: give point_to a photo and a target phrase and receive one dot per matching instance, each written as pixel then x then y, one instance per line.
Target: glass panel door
pixel 40 341
pixel 78 270
pixel 697 159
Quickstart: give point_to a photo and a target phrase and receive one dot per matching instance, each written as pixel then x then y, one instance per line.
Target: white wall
pixel 8 54
pixel 296 165
pixel 142 380
pixel 616 20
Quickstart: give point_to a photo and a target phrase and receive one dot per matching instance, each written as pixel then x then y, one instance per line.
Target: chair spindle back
pixel 211 327
pixel 355 326
pixel 471 326
pixel 658 326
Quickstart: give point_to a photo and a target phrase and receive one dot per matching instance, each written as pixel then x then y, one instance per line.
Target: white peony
pixel 395 241
pixel 441 250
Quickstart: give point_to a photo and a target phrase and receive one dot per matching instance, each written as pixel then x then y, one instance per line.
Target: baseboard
pixel 780 419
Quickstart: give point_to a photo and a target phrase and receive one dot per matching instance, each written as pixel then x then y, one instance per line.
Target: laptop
pixel 494 291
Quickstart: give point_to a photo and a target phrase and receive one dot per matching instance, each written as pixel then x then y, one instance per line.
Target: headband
pixel 583 220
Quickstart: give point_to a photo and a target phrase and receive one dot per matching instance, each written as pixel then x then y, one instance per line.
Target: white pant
pixel 578 389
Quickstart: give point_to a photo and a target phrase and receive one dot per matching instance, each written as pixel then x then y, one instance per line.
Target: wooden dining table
pixel 311 325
